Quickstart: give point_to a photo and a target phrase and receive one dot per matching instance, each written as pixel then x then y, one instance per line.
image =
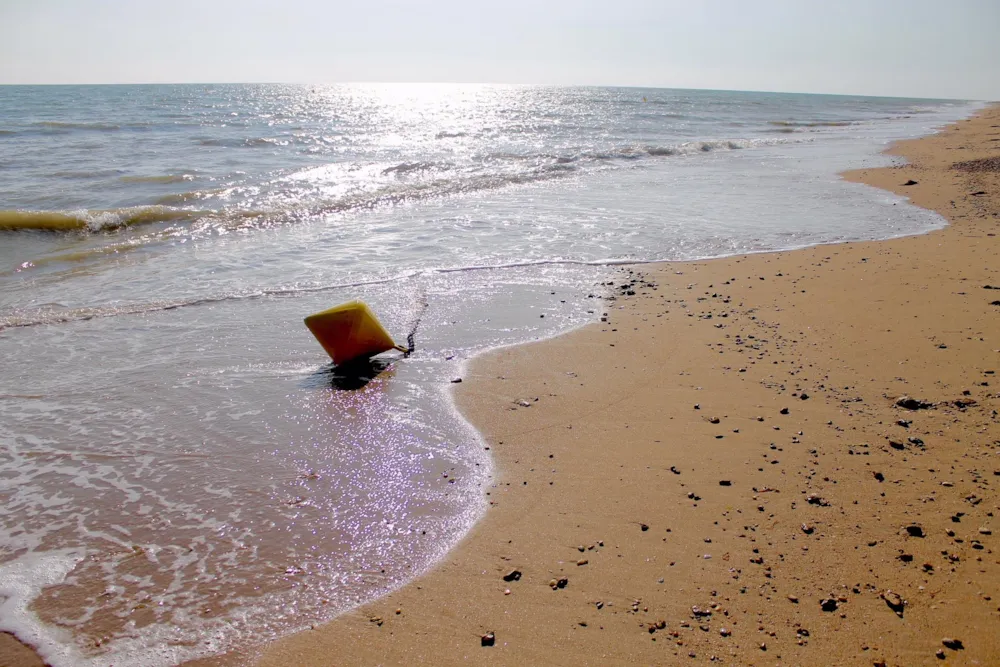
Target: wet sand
pixel 721 470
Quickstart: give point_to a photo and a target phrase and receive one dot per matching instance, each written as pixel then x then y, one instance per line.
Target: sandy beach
pixel 785 458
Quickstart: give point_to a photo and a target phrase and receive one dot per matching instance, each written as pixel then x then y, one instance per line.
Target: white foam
pixel 21 581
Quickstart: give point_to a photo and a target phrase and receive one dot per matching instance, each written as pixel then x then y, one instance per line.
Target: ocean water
pixel 181 471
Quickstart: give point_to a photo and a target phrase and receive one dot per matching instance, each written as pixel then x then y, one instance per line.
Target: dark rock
pixel 513 575
pixel 725 482
pixel 910 182
pixel 784 411
pixel 880 477
pixel 912 403
pixel 828 604
pixel 953 644
pixel 894 602
pixel 914 530
pixel 489 639
pixel 643 527
pixel 906 558
pixel 804 396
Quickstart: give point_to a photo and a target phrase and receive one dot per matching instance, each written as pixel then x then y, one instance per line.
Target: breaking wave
pixel 448 180
pixel 67 221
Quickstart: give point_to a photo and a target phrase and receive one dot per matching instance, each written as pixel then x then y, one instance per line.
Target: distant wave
pixel 407 167
pixel 56 125
pixel 249 142
pixel 168 178
pixel 450 135
pixel 64 221
pixel 815 123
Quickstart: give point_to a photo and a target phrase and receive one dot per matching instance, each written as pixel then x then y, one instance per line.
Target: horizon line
pixel 481 83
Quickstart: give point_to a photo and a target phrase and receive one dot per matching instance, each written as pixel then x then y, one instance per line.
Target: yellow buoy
pixel 350 331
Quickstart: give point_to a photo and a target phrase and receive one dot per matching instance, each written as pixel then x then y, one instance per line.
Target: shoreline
pixel 773 533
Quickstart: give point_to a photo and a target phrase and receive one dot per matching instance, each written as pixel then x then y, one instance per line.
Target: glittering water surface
pixel 180 470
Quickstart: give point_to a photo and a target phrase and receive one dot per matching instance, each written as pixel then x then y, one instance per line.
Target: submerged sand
pixel 721 471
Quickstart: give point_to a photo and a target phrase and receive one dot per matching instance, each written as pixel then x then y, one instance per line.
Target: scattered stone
pixel 879 476
pixel 513 575
pixel 714 420
pixel 828 604
pixel 807 529
pixel 784 411
pixel 643 527
pixel 793 599
pixel 804 396
pixel 906 558
pixel 725 632
pixel 894 602
pixel 940 654
pixel 912 403
pixel 913 530
pixel 456 380
pixel 725 482
pixel 582 562
pixel 814 499
pixel 910 182
pixel 985 531
pixel 489 639
pixel 953 644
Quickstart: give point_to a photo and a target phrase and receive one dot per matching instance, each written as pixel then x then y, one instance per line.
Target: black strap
pixel 411 343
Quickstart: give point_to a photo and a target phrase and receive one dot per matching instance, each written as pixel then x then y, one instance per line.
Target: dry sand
pixel 720 470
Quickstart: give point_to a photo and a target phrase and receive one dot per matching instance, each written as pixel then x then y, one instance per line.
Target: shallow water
pixel 181 470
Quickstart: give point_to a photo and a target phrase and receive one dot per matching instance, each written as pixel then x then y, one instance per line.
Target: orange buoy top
pixel 350 331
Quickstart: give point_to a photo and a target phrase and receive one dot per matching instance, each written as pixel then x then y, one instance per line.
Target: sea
pixel 182 470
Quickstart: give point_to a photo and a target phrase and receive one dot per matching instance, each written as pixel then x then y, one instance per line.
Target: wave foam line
pixel 83 220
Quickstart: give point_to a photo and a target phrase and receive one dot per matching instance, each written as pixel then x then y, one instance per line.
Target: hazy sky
pixel 876 47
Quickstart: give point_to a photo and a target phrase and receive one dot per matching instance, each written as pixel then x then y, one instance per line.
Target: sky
pixel 911 48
